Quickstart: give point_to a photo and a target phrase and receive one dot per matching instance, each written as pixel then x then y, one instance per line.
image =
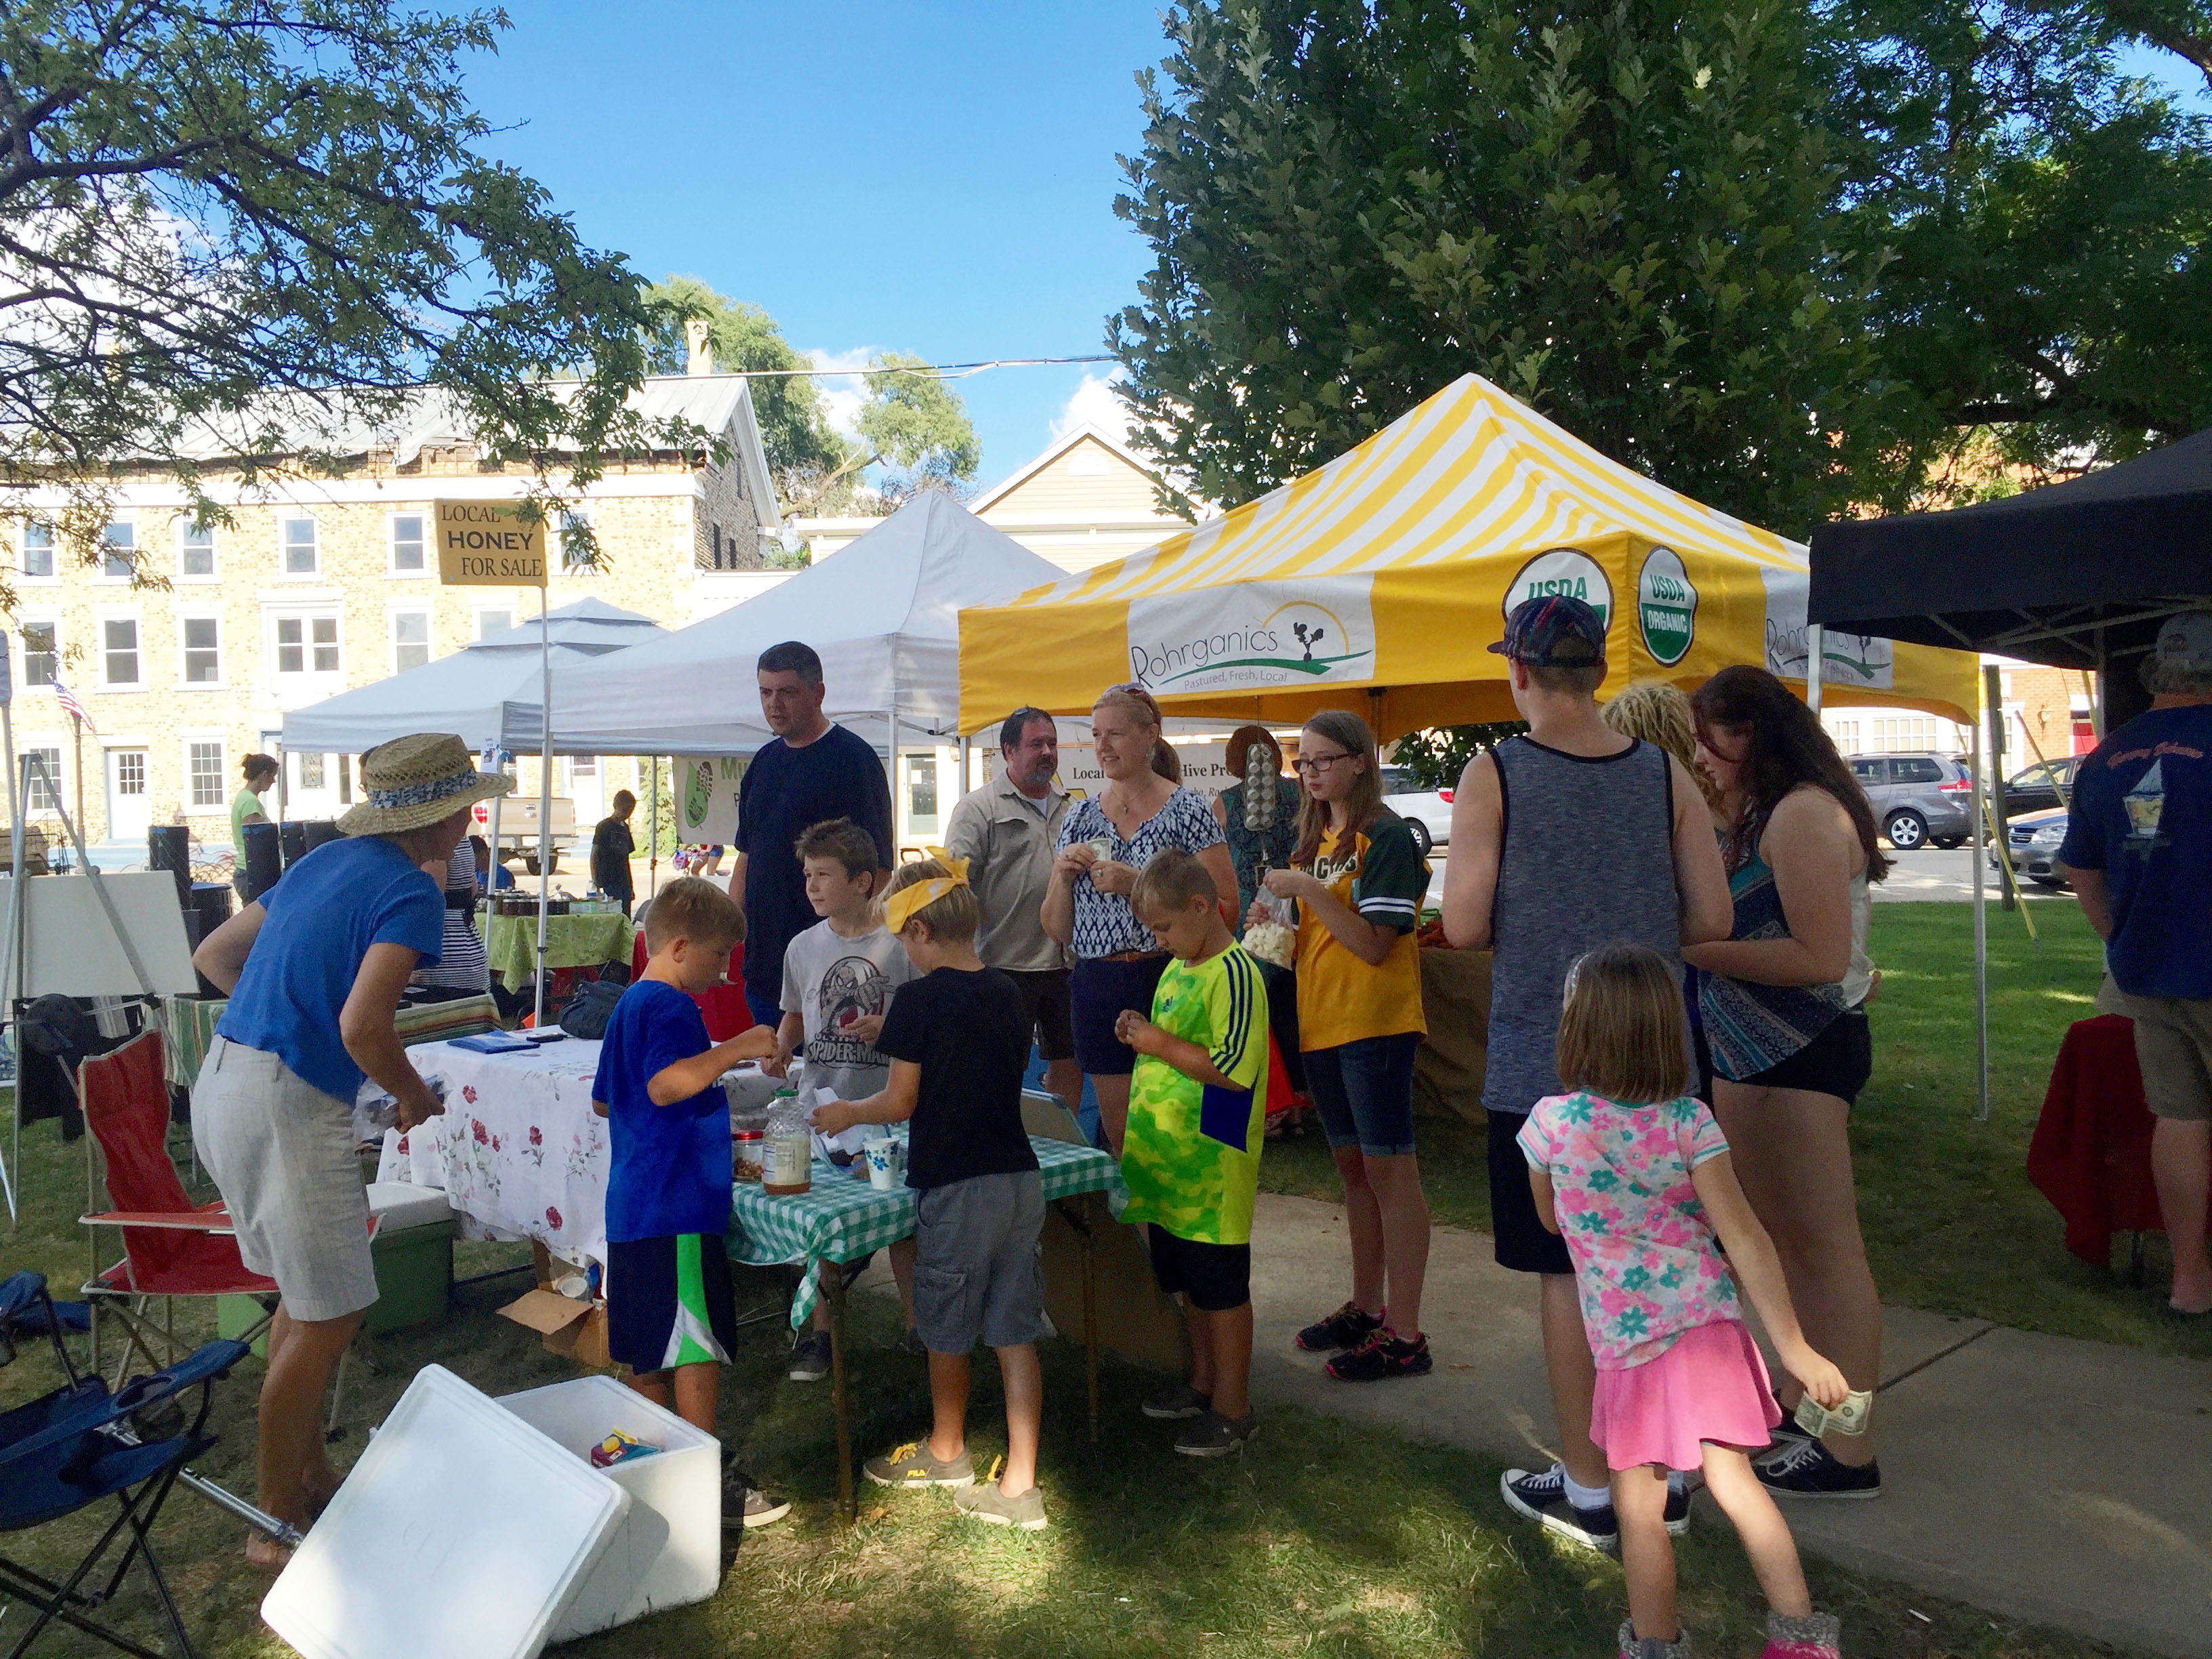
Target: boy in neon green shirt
pixel 1191 1154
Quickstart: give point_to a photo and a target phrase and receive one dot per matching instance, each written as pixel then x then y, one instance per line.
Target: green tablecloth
pixel 189 1023
pixel 841 1218
pixel 511 943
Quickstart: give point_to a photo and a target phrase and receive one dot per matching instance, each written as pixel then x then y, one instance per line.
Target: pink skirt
pixel 1711 1385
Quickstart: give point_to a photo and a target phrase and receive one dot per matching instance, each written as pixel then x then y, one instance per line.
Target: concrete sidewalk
pixel 2061 1481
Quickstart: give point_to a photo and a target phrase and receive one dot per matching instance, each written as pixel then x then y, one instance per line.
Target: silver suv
pixel 1919 798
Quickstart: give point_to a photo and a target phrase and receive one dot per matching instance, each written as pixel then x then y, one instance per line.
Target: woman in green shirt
pixel 260 771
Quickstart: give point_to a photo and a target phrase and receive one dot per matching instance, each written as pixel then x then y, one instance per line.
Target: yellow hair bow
pixel 899 907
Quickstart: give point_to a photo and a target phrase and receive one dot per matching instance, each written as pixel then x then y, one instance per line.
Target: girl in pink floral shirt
pixel 1634 1173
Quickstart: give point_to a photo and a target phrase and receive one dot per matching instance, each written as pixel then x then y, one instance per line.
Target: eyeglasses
pixel 1317 764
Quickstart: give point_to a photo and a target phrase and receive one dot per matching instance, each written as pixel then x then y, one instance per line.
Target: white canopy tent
pixel 882 612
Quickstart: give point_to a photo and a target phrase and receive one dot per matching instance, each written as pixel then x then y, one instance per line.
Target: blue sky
pixel 934 177
pixel 937 178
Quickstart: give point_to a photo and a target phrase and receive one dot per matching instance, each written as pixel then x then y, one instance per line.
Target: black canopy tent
pixel 2078 575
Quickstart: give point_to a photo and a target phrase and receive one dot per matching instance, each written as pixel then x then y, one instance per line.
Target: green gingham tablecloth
pixel 571 941
pixel 841 1218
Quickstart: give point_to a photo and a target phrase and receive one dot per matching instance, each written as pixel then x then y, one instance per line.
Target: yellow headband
pixel 899 907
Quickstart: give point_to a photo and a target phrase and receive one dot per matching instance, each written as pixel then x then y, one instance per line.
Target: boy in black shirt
pixel 959 1040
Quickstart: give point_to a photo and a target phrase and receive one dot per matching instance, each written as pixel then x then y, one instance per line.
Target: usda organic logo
pixel 1666 606
pixel 1564 572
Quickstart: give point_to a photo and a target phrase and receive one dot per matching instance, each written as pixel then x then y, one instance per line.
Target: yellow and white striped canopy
pixel 1375 582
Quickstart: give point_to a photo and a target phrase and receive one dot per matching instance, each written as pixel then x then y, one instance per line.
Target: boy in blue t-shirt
pixel 670 1317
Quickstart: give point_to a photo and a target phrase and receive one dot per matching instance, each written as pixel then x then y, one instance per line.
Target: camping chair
pixel 72 1448
pixel 171 1247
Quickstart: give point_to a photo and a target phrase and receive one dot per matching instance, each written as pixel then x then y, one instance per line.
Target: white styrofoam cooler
pixel 461 1534
pixel 666 1550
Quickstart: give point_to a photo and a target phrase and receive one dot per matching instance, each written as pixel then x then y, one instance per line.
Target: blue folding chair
pixel 82 1445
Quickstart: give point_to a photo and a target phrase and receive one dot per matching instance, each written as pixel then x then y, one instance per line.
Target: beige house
pixel 320 585
pixel 1086 500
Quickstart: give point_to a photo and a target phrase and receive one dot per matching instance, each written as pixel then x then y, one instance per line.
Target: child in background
pixel 958 1038
pixel 670 1317
pixel 1198 1108
pixel 838 978
pixel 1640 1174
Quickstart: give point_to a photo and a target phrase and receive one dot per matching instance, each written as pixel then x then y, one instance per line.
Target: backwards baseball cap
pixel 1553 632
pixel 2185 644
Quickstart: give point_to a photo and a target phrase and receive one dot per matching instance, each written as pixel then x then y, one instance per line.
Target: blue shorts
pixel 1364 1091
pixel 1098 990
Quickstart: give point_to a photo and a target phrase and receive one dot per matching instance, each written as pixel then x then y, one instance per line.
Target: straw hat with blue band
pixel 900 907
pixel 415 781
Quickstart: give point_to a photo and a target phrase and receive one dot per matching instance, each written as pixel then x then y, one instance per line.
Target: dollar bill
pixel 1849 1418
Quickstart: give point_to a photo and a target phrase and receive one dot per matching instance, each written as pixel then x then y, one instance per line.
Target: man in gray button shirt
pixel 1007 831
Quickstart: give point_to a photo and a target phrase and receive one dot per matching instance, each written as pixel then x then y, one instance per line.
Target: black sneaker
pixel 1787 1432
pixel 1347 1327
pixel 1542 1498
pixel 1384 1354
pixel 744 1504
pixel 809 1357
pixel 1808 1469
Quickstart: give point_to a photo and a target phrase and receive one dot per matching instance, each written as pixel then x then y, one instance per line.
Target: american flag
pixel 74 709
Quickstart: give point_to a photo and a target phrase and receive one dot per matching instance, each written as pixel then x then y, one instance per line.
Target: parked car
pixel 1428 812
pixel 2033 842
pixel 1919 798
pixel 2039 789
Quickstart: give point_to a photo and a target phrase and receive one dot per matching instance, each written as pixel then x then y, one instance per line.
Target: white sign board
pixel 1205 768
pixel 1255 636
pixel 69 946
pixel 1856 661
pixel 706 795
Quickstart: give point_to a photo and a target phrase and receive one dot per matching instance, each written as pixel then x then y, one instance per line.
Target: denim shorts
pixel 1364 1091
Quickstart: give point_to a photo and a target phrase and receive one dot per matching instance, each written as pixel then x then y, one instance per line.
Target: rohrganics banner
pixel 1257 637
pixel 1859 660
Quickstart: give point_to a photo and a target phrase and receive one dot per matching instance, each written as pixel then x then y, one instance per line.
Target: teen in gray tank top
pixel 1587 859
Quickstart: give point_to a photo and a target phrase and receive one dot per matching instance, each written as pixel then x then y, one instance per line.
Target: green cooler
pixel 414 1255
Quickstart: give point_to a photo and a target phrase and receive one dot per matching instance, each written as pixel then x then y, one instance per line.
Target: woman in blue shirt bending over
pixel 323 954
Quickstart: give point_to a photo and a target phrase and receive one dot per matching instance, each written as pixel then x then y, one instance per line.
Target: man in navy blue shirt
pixel 811 771
pixel 2139 852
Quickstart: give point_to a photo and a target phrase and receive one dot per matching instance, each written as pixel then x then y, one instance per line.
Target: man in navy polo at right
pixel 2139 853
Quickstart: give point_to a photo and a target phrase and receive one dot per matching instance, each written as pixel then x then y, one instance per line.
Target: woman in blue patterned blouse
pixel 1103 843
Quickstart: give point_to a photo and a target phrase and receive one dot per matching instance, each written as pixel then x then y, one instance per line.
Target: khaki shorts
pixel 2173 1046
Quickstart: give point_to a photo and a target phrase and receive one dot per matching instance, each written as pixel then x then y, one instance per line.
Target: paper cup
pixel 882 1153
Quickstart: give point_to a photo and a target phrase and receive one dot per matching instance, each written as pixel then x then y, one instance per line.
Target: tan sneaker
pixel 910 1468
pixel 986 1503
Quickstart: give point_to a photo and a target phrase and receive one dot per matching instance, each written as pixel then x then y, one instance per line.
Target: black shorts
pixel 669 1302
pixel 1215 1277
pixel 1520 1242
pixel 1098 990
pixel 1045 999
pixel 1837 1062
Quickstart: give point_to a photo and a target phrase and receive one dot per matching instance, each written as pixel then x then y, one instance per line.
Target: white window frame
pixel 307 675
pixel 53 549
pixel 194 613
pixel 392 569
pixel 284 573
pixel 391 616
pixel 477 615
pixel 221 739
pixel 557 531
pixel 58 747
pixel 101 615
pixel 22 676
pixel 101 573
pixel 183 525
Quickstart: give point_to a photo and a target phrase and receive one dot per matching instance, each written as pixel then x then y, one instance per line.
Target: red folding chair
pixel 171 1247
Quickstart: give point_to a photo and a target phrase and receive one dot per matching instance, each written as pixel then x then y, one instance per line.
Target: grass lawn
pixel 1323 1540
pixel 1951 1222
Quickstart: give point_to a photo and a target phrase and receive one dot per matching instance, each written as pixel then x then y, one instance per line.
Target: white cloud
pixel 1093 404
pixel 845 395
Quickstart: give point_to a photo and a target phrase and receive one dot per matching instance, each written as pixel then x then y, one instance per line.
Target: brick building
pixel 320 585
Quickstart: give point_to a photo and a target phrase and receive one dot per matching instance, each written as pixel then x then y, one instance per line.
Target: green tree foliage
pixel 247 226
pixel 918 425
pixel 1728 242
pixel 1438 756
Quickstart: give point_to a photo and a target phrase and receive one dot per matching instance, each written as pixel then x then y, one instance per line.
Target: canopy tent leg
pixel 1816 642
pixel 14 942
pixel 1980 844
pixel 545 790
pixel 890 767
pixel 652 846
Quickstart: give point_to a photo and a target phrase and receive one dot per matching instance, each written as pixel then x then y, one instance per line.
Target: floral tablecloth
pixel 519 1151
pixel 511 943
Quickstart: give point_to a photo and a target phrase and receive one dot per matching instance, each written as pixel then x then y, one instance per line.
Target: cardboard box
pixel 576 1330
